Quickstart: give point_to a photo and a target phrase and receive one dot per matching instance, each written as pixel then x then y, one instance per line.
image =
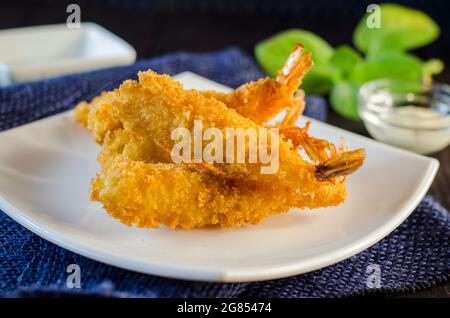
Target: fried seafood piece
pixel 139 183
pixel 260 101
pixel 156 105
pixel 148 195
pixel 97 116
pixel 144 192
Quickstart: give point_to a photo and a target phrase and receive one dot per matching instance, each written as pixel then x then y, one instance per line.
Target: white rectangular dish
pixel 43 51
pixel 45 171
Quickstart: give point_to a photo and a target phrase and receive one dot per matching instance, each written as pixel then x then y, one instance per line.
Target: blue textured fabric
pixel 415 255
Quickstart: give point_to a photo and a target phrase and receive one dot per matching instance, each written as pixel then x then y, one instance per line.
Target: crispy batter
pixel 97 115
pixel 153 107
pixel 139 183
pixel 259 101
pixel 149 195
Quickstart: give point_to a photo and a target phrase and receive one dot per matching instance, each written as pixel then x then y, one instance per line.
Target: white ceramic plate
pixel 49 50
pixel 45 168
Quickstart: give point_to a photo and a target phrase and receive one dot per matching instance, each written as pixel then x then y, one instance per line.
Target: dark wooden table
pixel 155 30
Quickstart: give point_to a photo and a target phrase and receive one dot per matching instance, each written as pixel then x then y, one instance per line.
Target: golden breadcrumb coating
pixel 139 183
pixel 148 195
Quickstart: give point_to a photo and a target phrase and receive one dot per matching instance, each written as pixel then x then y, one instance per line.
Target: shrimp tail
pixel 296 67
pixel 330 162
pixel 317 150
pixel 295 111
pixel 340 165
pixel 290 76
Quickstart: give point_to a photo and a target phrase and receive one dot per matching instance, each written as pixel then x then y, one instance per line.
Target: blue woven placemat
pixel 415 255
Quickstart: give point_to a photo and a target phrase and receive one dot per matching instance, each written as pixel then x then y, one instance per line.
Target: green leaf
pixel 433 67
pixel 401 28
pixel 320 79
pixel 344 99
pixel 345 59
pixel 273 52
pixel 393 65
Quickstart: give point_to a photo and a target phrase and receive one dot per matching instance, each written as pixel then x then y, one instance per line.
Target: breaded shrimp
pixel 148 195
pixel 139 183
pixel 260 101
pixel 153 107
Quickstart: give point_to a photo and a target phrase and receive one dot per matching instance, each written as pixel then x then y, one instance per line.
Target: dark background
pixel 155 27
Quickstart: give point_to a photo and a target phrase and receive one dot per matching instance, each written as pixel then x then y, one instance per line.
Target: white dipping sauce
pixel 419 129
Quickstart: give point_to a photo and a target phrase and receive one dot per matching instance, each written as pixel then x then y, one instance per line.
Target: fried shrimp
pixel 156 105
pixel 260 101
pixel 140 182
pixel 148 195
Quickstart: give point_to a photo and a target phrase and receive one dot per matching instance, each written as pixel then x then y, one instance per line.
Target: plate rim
pixel 250 274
